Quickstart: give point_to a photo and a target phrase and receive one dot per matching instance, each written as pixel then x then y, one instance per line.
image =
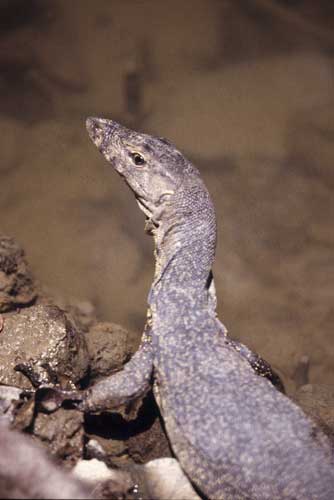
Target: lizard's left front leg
pixel 124 386
pixel 133 381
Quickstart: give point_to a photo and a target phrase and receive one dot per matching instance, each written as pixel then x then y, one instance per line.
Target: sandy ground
pixel 248 96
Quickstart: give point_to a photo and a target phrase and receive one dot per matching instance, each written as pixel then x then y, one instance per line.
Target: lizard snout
pixel 94 126
pixel 97 129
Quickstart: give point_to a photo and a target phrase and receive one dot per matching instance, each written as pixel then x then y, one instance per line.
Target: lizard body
pixel 234 434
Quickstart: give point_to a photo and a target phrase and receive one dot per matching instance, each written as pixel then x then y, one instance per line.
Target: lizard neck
pixel 184 249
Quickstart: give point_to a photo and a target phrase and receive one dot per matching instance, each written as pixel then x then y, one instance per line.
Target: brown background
pixel 244 88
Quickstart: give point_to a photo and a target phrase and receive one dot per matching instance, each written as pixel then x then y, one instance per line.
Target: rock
pixel 161 479
pixel 92 471
pixel 317 401
pixel 109 346
pixel 16 283
pixel 107 483
pixel 81 312
pixel 26 472
pixel 45 345
pixel 62 433
pixel 110 483
pixel 164 479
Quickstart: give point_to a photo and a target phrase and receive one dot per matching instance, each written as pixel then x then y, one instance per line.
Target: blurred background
pixel 244 88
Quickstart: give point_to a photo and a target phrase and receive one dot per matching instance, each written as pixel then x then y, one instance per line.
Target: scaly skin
pixel 234 434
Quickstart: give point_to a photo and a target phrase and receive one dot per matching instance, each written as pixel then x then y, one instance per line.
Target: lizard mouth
pixel 143 206
pixel 150 225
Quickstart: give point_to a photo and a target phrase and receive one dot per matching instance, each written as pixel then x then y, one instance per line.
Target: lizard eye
pixel 137 158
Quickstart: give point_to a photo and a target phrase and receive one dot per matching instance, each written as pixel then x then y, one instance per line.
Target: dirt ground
pixel 245 89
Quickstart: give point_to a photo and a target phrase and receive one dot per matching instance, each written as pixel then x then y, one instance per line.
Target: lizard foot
pixel 52 398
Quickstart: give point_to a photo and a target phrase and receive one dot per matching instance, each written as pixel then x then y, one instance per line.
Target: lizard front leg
pixel 133 381
pixel 124 386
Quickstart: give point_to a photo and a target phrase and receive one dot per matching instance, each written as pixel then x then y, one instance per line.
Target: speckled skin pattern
pixel 234 434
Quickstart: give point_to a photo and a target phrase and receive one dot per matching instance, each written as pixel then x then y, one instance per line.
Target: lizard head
pixel 152 167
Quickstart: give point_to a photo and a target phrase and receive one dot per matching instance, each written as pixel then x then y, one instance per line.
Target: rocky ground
pixel 67 347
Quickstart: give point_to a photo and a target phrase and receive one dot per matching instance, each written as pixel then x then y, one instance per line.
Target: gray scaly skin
pixel 234 434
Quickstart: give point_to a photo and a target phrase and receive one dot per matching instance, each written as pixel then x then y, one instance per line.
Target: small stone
pixel 45 345
pixel 109 346
pixel 165 479
pixel 92 470
pixel 108 483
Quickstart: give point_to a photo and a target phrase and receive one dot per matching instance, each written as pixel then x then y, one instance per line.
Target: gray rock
pixel 165 479
pixel 93 471
pixel 161 479
pixel 45 345
pixel 109 346
pixel 16 283
pixel 106 482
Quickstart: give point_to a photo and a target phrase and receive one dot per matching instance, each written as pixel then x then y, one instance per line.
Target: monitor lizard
pixel 235 435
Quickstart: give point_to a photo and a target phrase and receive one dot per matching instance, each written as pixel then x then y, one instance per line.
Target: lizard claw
pixel 52 398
